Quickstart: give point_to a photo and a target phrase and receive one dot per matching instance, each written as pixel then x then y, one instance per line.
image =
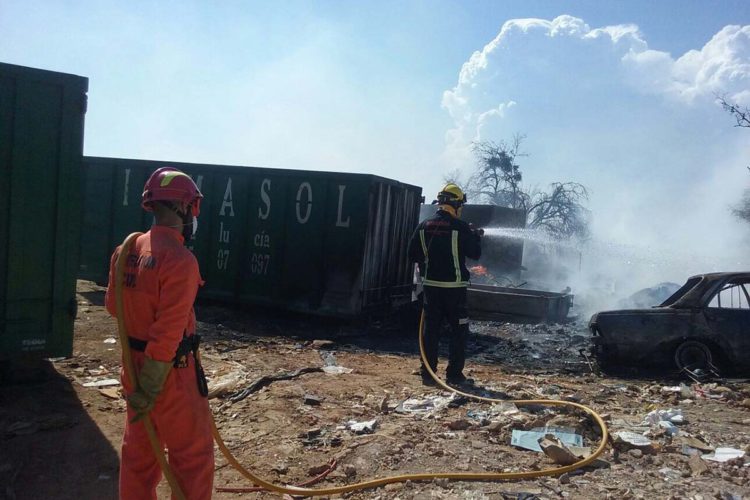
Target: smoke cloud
pixel 637 126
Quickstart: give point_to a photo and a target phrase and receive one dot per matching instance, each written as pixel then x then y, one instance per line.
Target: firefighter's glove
pixel 150 383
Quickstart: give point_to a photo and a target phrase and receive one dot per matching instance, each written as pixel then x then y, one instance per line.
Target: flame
pixel 478 270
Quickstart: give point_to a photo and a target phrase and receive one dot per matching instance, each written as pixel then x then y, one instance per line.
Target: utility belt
pixel 188 344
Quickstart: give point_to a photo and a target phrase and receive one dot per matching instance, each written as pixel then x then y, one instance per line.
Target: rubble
pixel 697 465
pixel 458 425
pixel 625 440
pixel 635 452
pixel 311 400
pixel 670 474
pixel 111 393
pixel 693 442
pixel 557 451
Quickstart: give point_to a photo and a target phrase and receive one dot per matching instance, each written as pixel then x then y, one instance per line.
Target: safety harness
pixel 188 344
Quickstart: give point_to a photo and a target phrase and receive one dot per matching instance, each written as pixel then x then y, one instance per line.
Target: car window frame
pixel 741 282
pixel 689 285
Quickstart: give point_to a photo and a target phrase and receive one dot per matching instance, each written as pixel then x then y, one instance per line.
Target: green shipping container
pixel 41 146
pixel 317 242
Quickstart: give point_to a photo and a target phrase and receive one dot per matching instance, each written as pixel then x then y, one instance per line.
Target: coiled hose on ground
pixel 372 483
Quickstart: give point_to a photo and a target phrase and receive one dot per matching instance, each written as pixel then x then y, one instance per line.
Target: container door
pixel 41 135
pixel 6 152
pixel 96 234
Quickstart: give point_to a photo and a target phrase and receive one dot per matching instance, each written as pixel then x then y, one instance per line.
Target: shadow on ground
pixel 49 446
pixel 96 297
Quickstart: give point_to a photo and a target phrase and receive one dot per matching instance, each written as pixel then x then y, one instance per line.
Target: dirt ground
pixel 61 440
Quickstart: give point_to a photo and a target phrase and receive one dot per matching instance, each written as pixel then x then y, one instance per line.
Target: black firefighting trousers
pixel 450 304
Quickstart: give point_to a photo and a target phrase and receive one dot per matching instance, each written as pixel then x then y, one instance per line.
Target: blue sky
pixel 608 94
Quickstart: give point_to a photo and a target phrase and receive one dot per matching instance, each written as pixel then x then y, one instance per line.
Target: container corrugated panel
pixel 502 256
pixel 318 242
pixel 41 146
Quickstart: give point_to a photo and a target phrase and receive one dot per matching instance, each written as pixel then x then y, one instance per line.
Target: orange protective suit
pixel 159 288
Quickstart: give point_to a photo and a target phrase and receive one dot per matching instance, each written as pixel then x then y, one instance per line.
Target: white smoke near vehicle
pixel 639 127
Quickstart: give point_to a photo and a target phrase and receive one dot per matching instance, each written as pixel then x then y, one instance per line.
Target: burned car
pixel 705 325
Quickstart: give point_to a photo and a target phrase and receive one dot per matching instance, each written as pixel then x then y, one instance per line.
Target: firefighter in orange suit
pixel 159 287
pixel 439 246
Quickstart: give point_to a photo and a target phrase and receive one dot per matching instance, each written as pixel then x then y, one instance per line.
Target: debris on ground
pixel 425 405
pixel 529 440
pixel 263 365
pixel 724 455
pixel 626 440
pixel 367 427
pixel 102 383
pixel 555 449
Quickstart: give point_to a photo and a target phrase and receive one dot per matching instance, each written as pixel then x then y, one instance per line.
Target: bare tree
pixel 497 179
pixel 742 209
pixel 741 114
pixel 560 212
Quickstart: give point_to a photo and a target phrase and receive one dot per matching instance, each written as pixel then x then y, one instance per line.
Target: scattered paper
pixel 102 383
pixel 423 405
pixel 367 427
pixel 336 370
pixel 673 415
pixel 670 389
pixel 632 438
pixel 724 455
pixel 529 440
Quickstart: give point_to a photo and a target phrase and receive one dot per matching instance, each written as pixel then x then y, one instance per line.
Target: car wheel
pixel 692 355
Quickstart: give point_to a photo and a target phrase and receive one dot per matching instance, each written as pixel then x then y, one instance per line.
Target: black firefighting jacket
pixel 439 246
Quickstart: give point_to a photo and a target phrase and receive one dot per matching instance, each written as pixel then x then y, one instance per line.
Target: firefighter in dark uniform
pixel 439 246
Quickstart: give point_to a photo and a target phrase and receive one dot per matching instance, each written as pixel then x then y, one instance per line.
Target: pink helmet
pixel 170 184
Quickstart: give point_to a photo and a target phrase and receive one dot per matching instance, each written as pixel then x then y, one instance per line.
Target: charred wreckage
pixel 703 327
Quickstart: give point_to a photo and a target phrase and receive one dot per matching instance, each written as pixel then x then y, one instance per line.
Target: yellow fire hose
pixel 373 483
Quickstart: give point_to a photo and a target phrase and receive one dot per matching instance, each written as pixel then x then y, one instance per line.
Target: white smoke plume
pixel 637 126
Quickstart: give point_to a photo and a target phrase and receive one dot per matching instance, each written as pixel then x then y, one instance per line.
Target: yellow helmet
pixel 452 195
